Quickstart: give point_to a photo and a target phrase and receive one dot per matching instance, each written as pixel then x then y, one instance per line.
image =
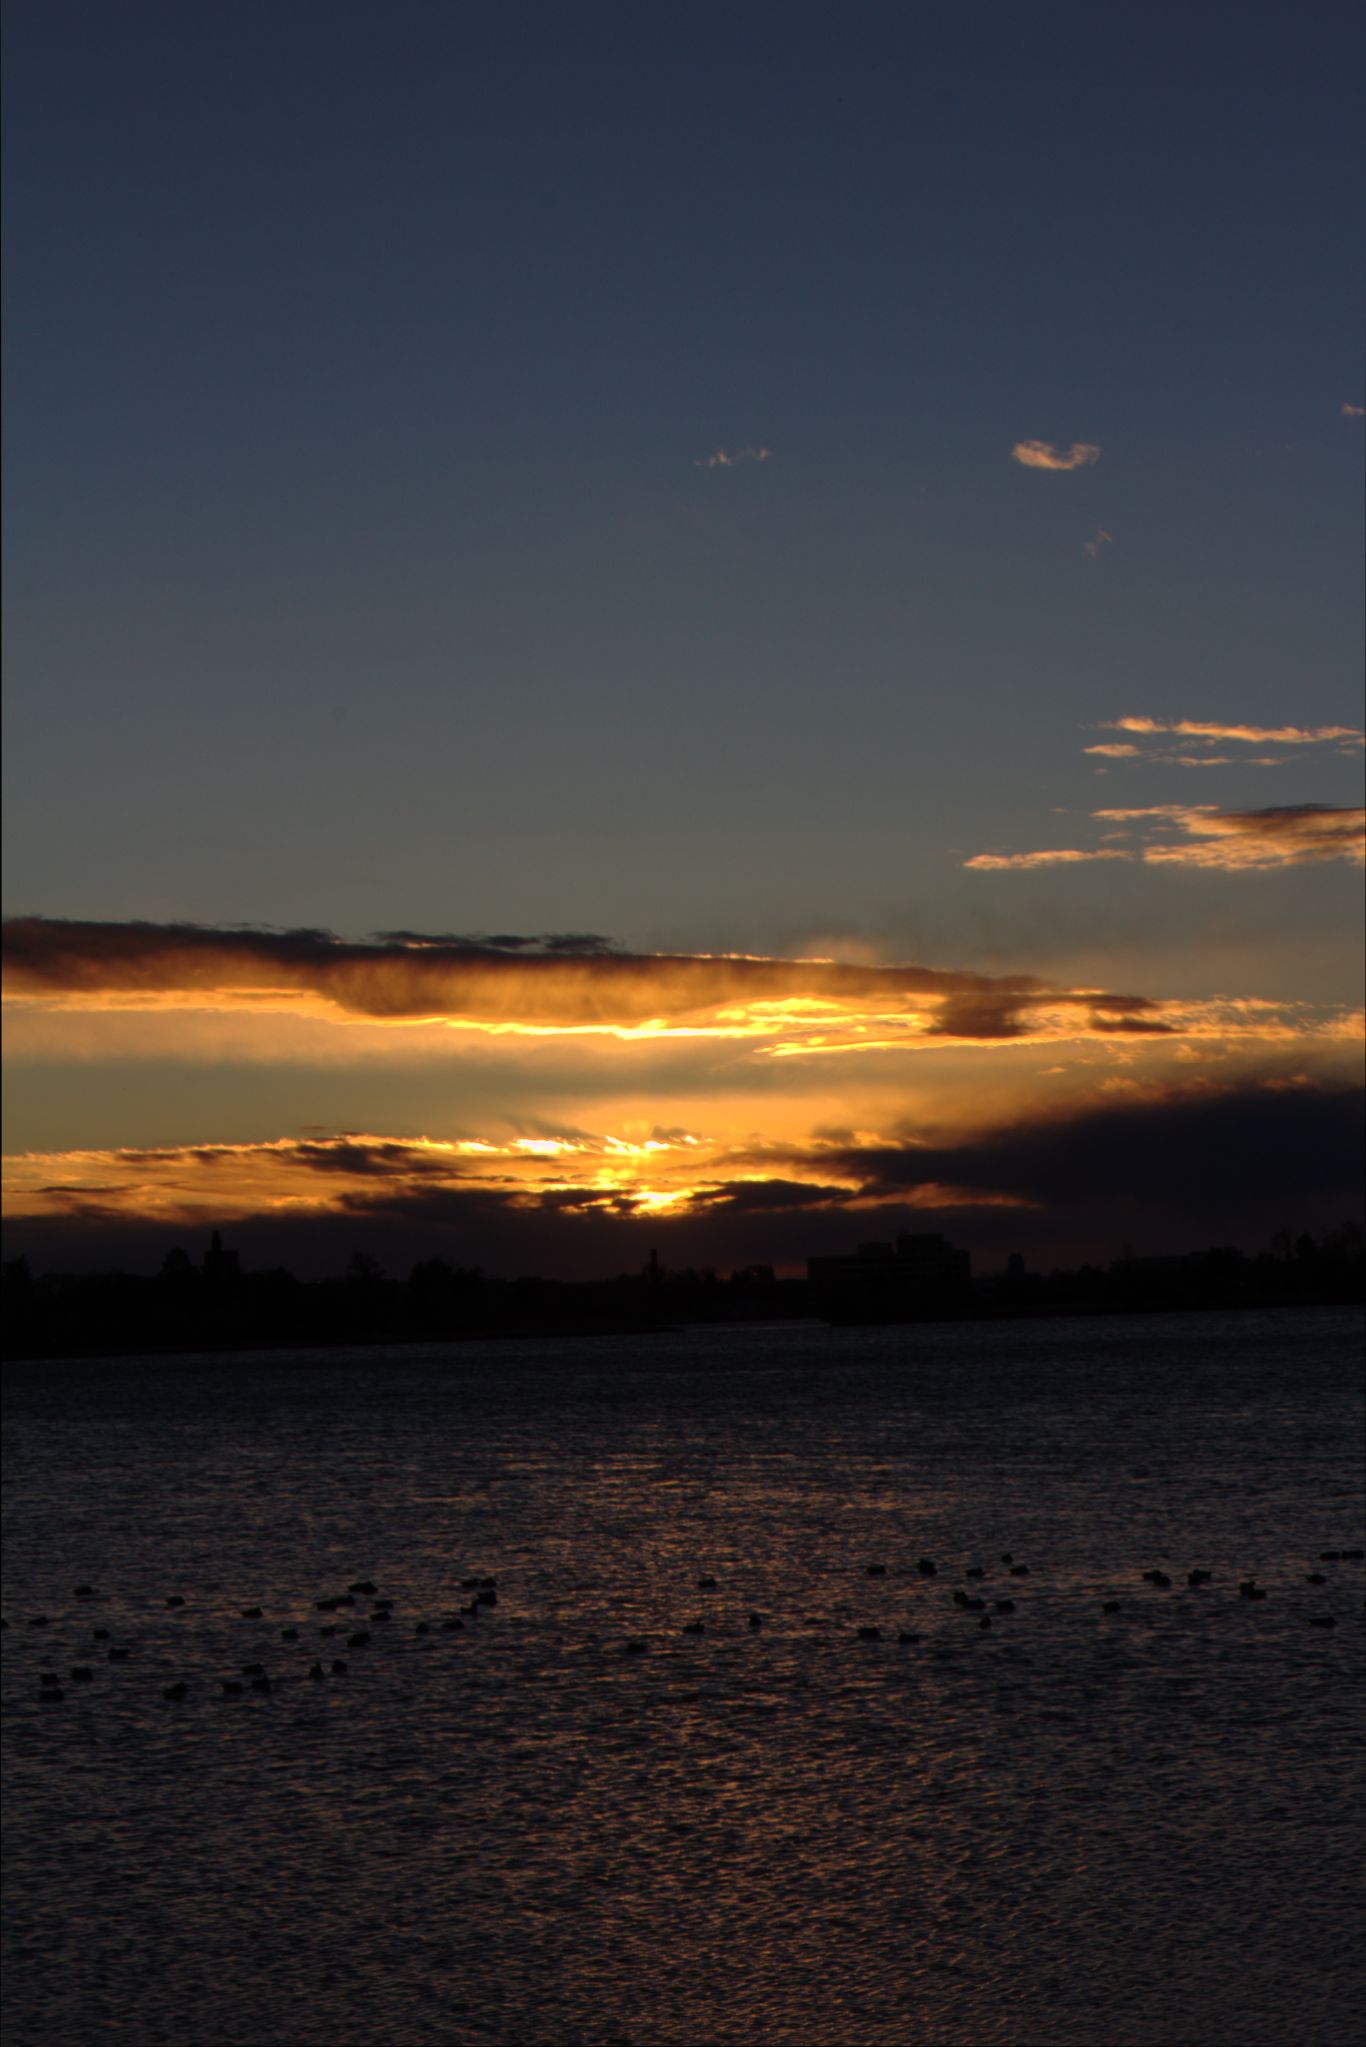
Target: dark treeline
pixel 216 1306
pixel 213 1305
pixel 1294 1271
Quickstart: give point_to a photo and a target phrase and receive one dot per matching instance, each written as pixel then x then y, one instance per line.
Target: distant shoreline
pixel 514 1332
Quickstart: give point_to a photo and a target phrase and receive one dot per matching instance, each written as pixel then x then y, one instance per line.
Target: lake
pixel 571 1820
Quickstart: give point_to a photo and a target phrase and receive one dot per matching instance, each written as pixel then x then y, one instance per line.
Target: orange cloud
pixel 1250 735
pixel 1291 835
pixel 1287 835
pixel 510 987
pixel 1043 455
pixel 1155 1149
pixel 646 1109
pixel 582 1091
pixel 185 1183
pixel 1056 856
pixel 1100 539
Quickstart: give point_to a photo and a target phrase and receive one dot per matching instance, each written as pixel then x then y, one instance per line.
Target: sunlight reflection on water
pixel 1072 1826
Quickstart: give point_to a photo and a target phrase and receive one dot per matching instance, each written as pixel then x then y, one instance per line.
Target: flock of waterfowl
pixel 340 1615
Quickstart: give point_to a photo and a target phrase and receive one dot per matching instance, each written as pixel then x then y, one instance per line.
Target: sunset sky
pixel 723 629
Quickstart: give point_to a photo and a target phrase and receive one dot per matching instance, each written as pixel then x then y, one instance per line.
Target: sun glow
pixel 623 1086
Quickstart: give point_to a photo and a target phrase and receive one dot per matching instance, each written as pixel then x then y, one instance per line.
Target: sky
pixel 717 629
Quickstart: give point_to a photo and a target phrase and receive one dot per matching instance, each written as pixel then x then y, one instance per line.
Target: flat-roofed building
pixel 917 1268
pixel 931 1260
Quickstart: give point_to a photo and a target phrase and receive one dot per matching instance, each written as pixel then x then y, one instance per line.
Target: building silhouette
pixel 919 1272
pixel 221 1268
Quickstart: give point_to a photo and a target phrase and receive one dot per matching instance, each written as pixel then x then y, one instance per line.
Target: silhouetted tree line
pixel 1295 1270
pixel 214 1305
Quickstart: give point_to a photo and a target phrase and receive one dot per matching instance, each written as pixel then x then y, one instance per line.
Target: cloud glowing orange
pixel 1250 735
pixel 1043 455
pixel 1286 835
pixel 505 989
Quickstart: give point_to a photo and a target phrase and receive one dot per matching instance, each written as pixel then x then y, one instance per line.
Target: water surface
pixel 1074 1826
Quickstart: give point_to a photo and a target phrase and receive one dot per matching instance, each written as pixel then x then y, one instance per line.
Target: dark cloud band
pixel 552 982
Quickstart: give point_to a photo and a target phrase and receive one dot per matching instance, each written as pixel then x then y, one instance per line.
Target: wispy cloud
pixel 1249 735
pixel 1121 750
pixel 1053 856
pixel 1100 539
pixel 726 459
pixel 1220 760
pixel 1354 411
pixel 1043 455
pixel 1285 835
